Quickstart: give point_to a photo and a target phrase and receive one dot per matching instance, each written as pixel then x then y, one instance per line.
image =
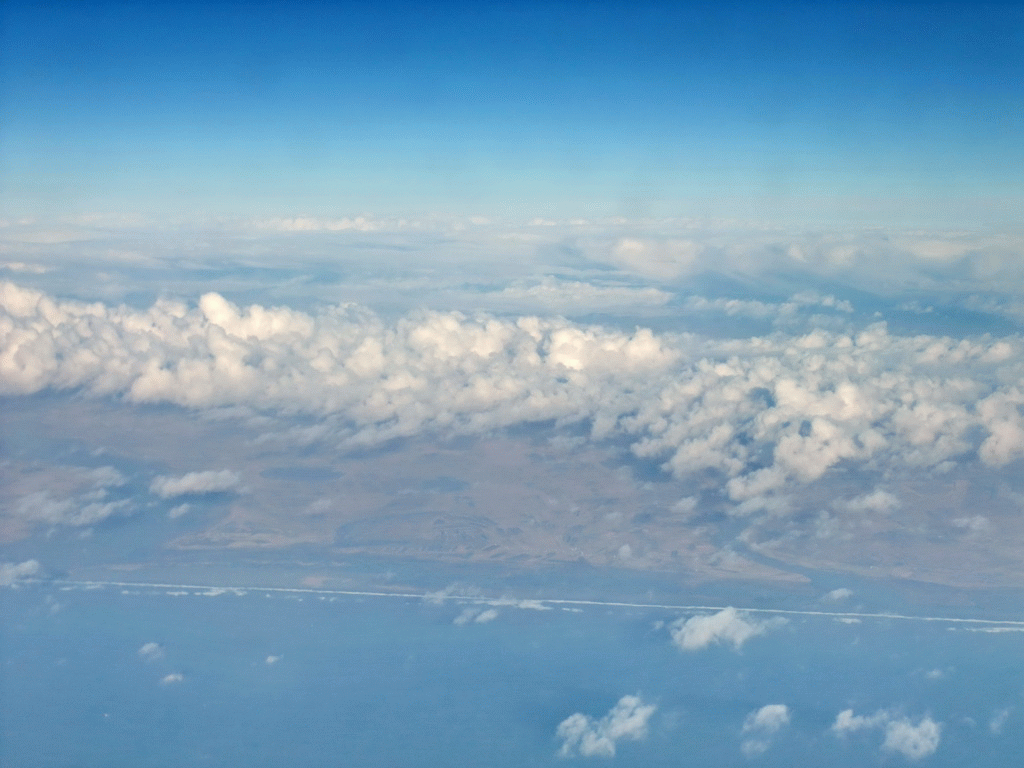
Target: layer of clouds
pixel 767 413
pixel 760 728
pixel 574 296
pixel 727 627
pixel 10 573
pixel 583 735
pixel 210 481
pixel 912 740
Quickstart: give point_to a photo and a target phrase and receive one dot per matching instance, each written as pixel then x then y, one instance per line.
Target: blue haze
pixel 369 681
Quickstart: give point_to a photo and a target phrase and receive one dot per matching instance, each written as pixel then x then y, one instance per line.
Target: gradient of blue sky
pixel 904 110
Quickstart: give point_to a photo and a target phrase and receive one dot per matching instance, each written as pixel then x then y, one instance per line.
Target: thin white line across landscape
pixel 550 601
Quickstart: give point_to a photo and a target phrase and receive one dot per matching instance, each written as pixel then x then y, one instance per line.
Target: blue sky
pixel 894 111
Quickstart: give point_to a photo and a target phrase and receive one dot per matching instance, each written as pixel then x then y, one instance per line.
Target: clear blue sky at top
pixel 564 108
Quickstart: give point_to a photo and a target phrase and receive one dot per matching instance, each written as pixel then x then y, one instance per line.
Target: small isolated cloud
pixel 175 512
pixel 151 651
pixel 581 734
pixel 912 741
pixel 902 735
pixel 761 726
pixel 726 626
pixel 475 616
pixel 13 572
pixel 172 679
pixel 211 481
pixel 273 659
pixel 998 720
pixel 837 595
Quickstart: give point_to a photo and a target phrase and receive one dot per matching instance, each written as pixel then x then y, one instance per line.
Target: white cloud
pixel 998 720
pixel 452 592
pixel 175 512
pixel 902 735
pixel 18 266
pixel 581 734
pixel 910 740
pixel 172 679
pixel 568 296
pixel 151 651
pixel 72 496
pixel 312 224
pixel 11 573
pixel 837 595
pixel 40 507
pixel 847 722
pixel 728 626
pixel 769 414
pixel 475 616
pixel 273 659
pixel 761 726
pixel 210 481
pixel 525 604
pixel 658 258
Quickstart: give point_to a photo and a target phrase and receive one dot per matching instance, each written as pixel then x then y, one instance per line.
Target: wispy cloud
pixel 209 481
pixel 151 651
pixel 11 573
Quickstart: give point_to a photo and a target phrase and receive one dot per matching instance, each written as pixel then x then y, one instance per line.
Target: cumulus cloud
pixel 581 734
pixel 912 740
pixel 726 627
pixel 766 413
pixel 10 573
pixel 167 487
pixel 760 727
pixel 172 679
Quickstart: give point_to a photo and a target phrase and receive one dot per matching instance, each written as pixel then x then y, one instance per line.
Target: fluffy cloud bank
pixel 761 726
pixel 581 734
pixel 764 413
pixel 728 626
pixel 913 741
pixel 195 483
